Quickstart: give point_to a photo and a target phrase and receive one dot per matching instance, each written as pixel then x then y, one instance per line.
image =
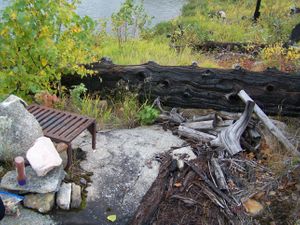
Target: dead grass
pixel 273 154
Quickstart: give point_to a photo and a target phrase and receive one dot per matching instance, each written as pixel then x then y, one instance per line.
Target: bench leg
pixel 70 156
pixel 93 130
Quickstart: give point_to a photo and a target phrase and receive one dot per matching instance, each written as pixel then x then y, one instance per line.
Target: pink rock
pixel 43 156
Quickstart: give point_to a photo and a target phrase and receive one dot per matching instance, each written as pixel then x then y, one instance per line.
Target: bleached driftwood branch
pixel 270 126
pixel 230 137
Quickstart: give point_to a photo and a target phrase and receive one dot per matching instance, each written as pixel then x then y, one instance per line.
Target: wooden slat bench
pixel 61 126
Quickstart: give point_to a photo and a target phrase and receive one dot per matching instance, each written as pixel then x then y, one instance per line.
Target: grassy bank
pixel 201 22
pixel 138 51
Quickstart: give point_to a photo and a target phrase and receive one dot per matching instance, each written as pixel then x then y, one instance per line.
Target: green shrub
pixel 148 115
pixel 40 40
pixel 164 28
pixel 76 95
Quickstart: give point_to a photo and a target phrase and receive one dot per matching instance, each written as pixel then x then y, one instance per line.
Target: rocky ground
pixel 123 169
pixel 124 166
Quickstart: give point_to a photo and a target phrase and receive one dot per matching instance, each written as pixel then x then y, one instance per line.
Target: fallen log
pixel 150 202
pixel 248 48
pixel 193 87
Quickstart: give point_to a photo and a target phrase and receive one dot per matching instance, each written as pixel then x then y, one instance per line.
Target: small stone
pixel 298 187
pixel 185 152
pixel 63 197
pixel 61 147
pixel 83 181
pixel 76 196
pixel 294 197
pixel 41 202
pixel 253 207
pixel 222 14
pixel 195 64
pixel 272 193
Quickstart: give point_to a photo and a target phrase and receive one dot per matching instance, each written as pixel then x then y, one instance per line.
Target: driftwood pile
pixel 213 187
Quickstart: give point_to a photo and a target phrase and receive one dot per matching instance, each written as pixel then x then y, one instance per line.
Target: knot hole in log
pixel 187 94
pixel 141 76
pixel 207 73
pixel 270 87
pixel 232 97
pixel 164 84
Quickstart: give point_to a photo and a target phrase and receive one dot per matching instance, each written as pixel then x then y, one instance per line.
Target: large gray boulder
pixel 18 128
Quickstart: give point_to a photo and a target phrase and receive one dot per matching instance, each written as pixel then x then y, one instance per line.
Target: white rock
pixel 43 156
pixel 63 197
pixel 76 196
pixel 185 153
pixel 222 14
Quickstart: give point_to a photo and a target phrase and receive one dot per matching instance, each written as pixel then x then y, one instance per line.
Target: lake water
pixel 162 10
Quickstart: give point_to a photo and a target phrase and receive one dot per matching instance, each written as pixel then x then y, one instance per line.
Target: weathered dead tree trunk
pixel 257 11
pixel 193 87
pixel 230 137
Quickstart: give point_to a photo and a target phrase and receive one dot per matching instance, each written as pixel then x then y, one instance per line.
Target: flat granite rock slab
pixel 123 169
pixel 34 184
pixel 28 217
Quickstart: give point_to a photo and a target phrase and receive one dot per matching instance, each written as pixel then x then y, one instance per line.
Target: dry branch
pixel 268 123
pixel 201 125
pixel 219 174
pixel 194 134
pixel 230 137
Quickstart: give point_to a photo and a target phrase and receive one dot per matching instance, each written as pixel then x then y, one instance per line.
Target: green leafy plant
pixel 76 95
pixel 40 40
pixel 148 115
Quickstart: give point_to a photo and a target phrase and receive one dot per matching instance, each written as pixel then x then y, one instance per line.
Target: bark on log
pixel 193 87
pixel 150 202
